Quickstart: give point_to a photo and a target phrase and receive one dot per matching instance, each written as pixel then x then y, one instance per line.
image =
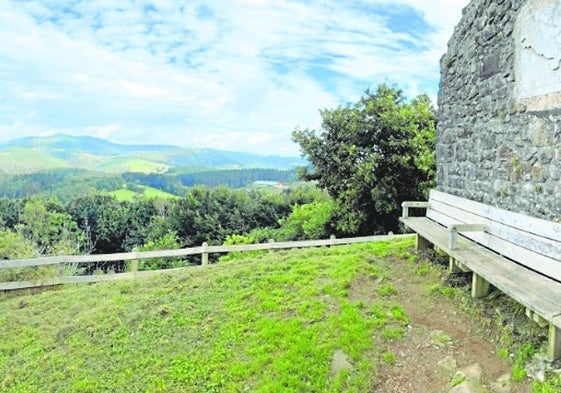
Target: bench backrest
pixel 530 241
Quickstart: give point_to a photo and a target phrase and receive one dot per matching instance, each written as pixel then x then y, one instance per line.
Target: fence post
pixel 62 268
pixel 332 240
pixel 134 263
pixel 271 242
pixel 204 255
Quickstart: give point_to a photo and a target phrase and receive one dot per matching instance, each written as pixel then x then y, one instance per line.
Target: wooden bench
pixel 518 254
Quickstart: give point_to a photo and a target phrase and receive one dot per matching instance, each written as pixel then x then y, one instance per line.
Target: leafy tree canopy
pixel 371 156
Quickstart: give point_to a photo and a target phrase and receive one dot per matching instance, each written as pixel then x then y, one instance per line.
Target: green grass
pixel 144 166
pixel 267 324
pixel 386 290
pixel 127 164
pixel 552 385
pixel 151 192
pixel 124 194
pixel 523 355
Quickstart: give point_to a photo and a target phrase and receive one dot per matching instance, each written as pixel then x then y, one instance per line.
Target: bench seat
pixel 539 293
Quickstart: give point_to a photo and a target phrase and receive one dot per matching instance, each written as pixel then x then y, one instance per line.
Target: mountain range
pixel 34 154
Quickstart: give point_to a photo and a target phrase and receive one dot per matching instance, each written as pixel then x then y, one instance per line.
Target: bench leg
pixel 542 322
pixel 479 286
pixel 422 243
pixel 453 266
pixel 554 348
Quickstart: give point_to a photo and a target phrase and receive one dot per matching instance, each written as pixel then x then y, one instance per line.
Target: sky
pixel 236 75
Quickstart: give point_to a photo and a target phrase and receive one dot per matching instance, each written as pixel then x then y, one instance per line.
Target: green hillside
pixel 270 323
pixel 133 165
pixel 28 160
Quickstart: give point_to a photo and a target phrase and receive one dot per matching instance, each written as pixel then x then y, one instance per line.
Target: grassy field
pixel 124 194
pixel 120 165
pixel 269 323
pixel 151 192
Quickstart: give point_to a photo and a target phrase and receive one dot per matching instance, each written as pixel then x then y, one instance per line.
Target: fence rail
pixel 203 250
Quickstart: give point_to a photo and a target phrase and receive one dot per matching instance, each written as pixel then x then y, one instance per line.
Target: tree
pixel 371 156
pixel 104 221
pixel 211 214
pixel 10 212
pixel 49 228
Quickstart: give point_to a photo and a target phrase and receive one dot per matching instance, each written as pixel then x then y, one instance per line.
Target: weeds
pixel 388 358
pixel 387 290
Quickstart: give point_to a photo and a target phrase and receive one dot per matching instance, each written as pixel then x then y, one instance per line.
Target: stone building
pixel 499 133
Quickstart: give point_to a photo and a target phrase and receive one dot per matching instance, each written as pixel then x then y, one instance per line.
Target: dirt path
pixel 438 329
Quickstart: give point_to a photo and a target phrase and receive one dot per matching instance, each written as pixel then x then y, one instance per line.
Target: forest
pixel 69 183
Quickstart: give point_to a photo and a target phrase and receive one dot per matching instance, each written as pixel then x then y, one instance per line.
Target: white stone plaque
pixel 538 54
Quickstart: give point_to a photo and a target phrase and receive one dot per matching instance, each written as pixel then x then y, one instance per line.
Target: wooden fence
pixel 203 250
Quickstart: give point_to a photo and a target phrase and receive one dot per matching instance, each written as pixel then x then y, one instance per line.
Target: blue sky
pixel 229 74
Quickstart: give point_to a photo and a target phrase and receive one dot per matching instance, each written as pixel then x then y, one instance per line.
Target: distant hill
pixel 60 145
pixel 33 154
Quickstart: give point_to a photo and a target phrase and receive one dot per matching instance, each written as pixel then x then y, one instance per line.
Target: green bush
pixel 166 242
pixel 13 245
pixel 308 221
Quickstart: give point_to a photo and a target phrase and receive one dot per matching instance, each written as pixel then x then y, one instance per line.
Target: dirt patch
pixel 437 329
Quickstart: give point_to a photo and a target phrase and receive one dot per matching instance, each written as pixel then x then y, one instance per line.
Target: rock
pixel 468 380
pixel 467 387
pixel 447 365
pixel 340 362
pixel 439 338
pixel 537 367
pixel 472 372
pixel 503 384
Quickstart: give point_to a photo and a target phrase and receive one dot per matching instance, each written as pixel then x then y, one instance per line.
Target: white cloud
pixel 238 74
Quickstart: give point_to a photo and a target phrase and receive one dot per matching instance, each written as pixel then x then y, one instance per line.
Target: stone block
pixel 490 66
pixel 540 132
pixel 539 173
pixel 546 154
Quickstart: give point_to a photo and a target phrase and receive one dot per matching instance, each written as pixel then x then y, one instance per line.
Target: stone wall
pixel 499 133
